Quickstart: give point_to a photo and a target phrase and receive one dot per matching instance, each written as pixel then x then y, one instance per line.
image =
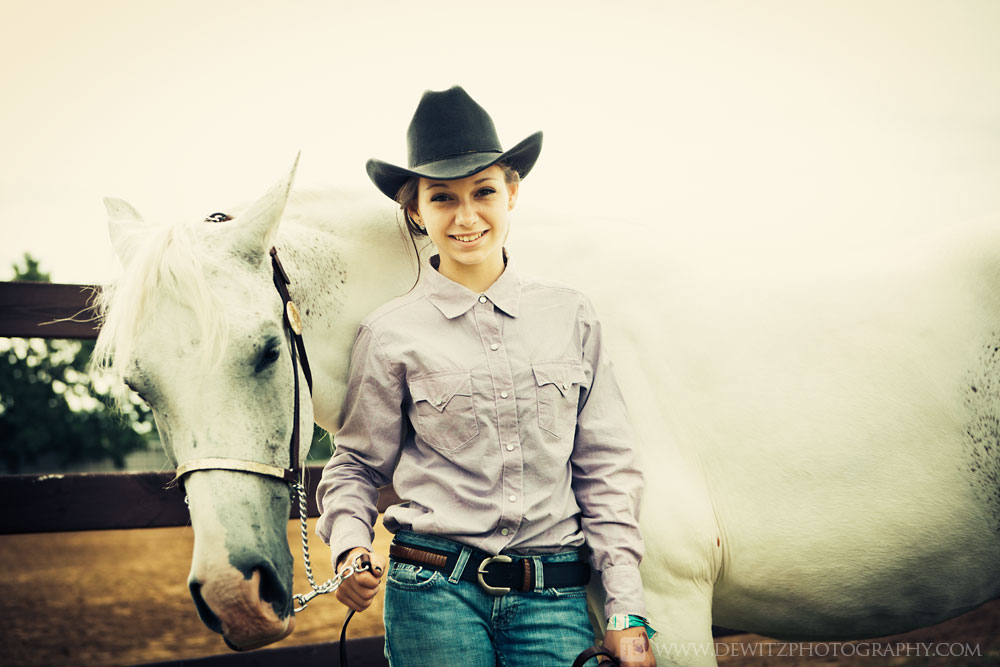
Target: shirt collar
pixel 453 299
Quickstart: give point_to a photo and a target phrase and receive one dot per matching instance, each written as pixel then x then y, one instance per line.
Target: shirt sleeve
pixel 367 448
pixel 606 477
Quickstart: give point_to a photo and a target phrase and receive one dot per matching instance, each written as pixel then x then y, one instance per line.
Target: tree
pixel 50 406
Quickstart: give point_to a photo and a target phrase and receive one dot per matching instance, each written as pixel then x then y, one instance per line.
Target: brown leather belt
pixel 496 574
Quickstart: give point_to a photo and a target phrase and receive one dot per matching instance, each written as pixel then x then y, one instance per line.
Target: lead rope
pixel 360 564
pixel 598 652
pixel 328 586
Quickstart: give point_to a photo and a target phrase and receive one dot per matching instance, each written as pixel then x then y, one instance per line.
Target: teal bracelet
pixel 626 621
pixel 636 621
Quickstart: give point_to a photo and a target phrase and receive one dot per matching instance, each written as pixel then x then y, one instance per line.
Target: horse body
pixel 821 457
pixel 868 482
pixel 837 459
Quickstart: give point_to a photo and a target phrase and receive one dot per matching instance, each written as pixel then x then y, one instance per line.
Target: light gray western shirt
pixel 498 420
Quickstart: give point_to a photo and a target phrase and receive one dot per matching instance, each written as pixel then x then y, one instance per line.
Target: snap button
pixel 494 347
pixel 505 532
pixel 512 498
pixel 504 394
pixel 438 401
pixel 510 448
pixel 482 299
pixel 565 386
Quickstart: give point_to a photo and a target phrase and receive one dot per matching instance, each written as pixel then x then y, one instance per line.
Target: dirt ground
pixel 119 598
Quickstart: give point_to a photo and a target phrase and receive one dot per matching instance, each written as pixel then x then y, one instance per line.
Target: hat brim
pixel 389 178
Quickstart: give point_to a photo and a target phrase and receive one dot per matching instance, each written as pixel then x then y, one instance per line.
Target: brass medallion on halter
pixel 293 317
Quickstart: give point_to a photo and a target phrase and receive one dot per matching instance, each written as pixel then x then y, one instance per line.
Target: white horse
pixel 822 447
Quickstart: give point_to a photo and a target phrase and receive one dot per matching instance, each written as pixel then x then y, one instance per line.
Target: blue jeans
pixel 433 618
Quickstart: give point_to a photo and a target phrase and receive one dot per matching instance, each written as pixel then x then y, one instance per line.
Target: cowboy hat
pixel 451 136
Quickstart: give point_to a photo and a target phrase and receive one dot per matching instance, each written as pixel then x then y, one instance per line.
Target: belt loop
pixel 463 558
pixel 539 573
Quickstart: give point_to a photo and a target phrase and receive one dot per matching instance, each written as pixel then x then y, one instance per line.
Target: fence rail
pixel 47 310
pixel 107 501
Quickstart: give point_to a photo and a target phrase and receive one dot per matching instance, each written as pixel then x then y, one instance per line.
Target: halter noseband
pixel 293 326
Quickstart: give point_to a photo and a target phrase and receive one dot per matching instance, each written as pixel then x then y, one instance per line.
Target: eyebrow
pixel 444 185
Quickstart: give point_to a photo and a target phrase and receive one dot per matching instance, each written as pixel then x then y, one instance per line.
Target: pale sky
pixel 773 126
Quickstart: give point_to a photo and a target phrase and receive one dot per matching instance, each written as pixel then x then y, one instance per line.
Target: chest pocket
pixel 443 405
pixel 558 387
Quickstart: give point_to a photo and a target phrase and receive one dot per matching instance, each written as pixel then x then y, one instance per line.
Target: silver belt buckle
pixel 492 590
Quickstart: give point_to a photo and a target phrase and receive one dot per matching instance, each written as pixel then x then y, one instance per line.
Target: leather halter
pixel 293 326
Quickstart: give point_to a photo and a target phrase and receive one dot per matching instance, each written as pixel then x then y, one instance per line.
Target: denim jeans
pixel 433 618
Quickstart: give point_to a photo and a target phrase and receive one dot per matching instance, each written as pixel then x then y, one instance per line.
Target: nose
pixel 466 214
pixel 249 612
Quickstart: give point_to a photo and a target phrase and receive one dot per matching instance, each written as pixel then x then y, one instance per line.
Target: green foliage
pixel 322 446
pixel 31 271
pixel 52 409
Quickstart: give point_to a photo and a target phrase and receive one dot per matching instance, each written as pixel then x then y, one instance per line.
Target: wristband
pixel 626 621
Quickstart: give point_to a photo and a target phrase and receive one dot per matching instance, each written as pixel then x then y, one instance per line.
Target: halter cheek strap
pixel 297 347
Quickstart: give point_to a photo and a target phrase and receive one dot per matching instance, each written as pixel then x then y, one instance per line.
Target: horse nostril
pixel 273 592
pixel 205 612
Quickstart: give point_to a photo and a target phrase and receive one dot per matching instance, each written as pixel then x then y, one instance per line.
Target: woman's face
pixel 467 219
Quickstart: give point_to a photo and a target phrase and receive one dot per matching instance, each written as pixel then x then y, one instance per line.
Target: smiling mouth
pixel 469 238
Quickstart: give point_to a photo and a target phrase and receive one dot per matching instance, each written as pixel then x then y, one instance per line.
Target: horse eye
pixel 268 356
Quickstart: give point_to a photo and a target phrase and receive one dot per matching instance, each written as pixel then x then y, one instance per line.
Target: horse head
pixel 195 326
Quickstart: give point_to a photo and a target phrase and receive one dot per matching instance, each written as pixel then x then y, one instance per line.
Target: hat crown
pixel 449 123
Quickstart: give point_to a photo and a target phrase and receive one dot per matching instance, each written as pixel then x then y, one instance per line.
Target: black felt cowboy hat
pixel 451 136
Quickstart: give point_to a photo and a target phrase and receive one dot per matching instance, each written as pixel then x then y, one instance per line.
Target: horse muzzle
pixel 245 610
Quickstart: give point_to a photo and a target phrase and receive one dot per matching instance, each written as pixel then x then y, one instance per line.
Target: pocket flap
pixel 440 388
pixel 561 374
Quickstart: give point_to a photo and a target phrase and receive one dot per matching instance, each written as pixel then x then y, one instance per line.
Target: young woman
pixel 488 401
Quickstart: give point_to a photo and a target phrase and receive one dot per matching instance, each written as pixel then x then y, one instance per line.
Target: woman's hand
pixel 631 647
pixel 359 589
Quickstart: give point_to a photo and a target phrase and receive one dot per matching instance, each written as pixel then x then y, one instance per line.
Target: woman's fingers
pixel 379 564
pixel 366 580
pixel 355 596
pixel 358 590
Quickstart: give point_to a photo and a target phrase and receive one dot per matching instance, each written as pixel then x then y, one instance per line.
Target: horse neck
pixel 341 270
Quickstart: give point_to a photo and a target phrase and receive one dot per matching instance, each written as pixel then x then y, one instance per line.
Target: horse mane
pixel 170 261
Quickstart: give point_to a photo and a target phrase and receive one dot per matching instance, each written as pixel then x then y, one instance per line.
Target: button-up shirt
pixel 498 421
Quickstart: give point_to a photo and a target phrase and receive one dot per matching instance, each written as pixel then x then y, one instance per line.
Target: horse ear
pixel 258 224
pixel 125 226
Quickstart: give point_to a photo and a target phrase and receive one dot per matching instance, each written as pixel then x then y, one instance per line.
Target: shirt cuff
pixel 623 591
pixel 347 534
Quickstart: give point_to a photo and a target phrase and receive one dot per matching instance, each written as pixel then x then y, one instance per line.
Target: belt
pixel 498 575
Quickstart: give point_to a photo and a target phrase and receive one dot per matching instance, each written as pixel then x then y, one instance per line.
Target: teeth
pixel 468 237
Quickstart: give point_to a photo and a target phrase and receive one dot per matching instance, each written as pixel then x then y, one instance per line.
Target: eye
pixel 269 355
pixel 486 192
pixel 441 197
